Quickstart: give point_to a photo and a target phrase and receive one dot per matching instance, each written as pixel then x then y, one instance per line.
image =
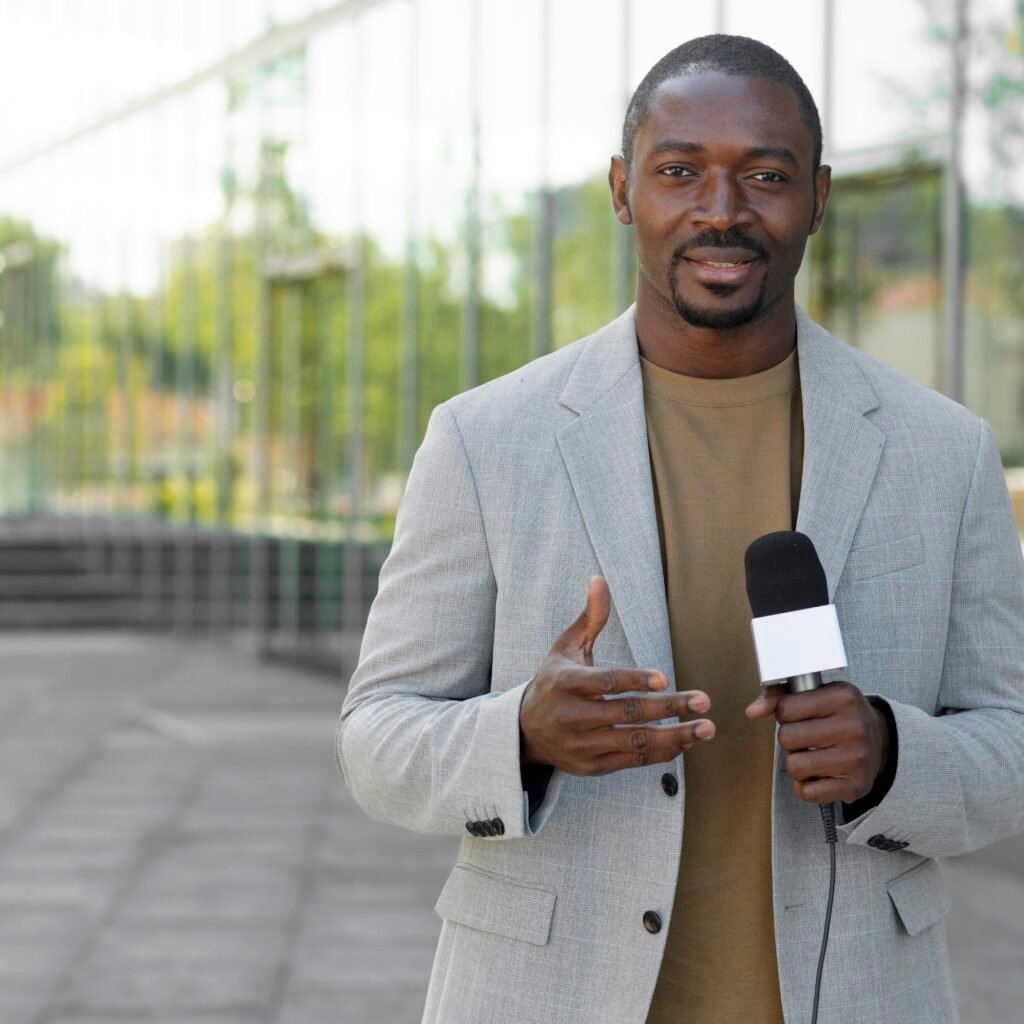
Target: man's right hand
pixel 566 721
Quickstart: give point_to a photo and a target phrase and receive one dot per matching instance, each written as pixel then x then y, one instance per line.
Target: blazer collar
pixel 607 458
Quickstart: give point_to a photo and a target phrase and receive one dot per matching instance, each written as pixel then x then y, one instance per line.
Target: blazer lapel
pixel 608 462
pixel 841 447
pixel 606 456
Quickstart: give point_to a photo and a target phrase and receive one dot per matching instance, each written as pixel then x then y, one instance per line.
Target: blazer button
pixel 670 784
pixel 471 828
pixel 876 841
pixel 652 921
pixel 499 826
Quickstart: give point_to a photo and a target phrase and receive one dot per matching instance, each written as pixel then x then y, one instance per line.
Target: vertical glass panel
pixel 876 268
pixel 586 111
pixel 514 185
pixel 382 173
pixel 993 157
pixel 445 163
pixel 879 76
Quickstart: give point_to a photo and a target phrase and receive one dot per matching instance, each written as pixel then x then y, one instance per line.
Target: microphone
pixel 796 630
pixel 796 638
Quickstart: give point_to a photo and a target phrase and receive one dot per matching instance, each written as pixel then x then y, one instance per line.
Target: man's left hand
pixel 836 742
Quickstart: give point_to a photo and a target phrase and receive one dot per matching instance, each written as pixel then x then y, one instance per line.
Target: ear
pixel 618 182
pixel 822 190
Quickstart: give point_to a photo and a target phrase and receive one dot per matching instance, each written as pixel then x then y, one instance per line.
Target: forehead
pixel 715 109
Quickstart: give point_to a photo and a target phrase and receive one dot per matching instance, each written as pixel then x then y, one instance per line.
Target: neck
pixel 668 341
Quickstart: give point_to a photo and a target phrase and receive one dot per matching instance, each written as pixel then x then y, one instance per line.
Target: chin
pixel 719 317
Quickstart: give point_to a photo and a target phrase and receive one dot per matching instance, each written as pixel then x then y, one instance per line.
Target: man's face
pixel 721 196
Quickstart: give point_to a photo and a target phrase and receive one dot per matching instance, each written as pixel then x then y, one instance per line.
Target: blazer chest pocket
pixel 883 559
pixel 494 903
pixel 920 896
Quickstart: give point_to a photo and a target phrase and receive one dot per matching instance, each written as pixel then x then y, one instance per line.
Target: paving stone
pixel 167 852
pixel 354 1005
pixel 167 985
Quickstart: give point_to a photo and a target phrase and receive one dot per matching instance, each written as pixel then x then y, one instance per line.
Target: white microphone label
pixel 797 643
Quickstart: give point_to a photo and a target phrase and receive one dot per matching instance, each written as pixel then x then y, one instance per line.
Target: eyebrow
pixel 678 146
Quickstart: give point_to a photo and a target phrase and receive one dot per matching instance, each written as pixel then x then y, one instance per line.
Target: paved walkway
pixel 176 845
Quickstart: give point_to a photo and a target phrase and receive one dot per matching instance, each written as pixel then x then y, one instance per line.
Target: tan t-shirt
pixel 726 457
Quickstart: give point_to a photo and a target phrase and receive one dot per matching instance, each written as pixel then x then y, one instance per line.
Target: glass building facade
pixel 243 258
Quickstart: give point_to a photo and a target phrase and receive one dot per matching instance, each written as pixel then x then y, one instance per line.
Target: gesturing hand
pixel 567 720
pixel 837 742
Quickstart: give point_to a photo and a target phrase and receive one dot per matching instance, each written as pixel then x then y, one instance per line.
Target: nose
pixel 719 203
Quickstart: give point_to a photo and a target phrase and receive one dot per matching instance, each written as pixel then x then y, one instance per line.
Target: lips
pixel 721 270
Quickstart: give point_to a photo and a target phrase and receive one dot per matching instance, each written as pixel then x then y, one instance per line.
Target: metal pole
pixel 469 375
pixel 544 226
pixel 623 265
pixel 828 72
pixel 408 369
pixel 953 212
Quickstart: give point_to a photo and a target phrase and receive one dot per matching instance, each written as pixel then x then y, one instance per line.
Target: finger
pixel 832 699
pixel 815 732
pixel 644 708
pixel 647 744
pixel 826 791
pixel 830 763
pixel 766 702
pixel 597 682
pixel 578 639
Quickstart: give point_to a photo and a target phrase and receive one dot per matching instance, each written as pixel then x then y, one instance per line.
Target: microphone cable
pixel 828 817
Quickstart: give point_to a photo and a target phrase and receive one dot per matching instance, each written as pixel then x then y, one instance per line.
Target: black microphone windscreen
pixel 784 574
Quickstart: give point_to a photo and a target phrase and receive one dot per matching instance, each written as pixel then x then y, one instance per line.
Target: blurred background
pixel 246 246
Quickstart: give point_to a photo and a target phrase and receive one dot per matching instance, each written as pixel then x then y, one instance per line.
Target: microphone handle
pixel 807 681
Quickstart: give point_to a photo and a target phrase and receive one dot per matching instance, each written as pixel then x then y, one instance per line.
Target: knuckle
pixel 641 758
pixel 638 739
pixel 631 710
pixel 608 680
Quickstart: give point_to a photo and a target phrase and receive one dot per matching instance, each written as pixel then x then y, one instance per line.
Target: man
pixel 634 467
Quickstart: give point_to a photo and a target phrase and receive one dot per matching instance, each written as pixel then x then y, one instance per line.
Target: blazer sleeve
pixel 422 741
pixel 959 781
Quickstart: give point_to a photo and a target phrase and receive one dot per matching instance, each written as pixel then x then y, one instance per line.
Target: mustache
pixel 734 238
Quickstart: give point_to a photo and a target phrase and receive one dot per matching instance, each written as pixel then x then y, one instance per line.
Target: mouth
pixel 721 271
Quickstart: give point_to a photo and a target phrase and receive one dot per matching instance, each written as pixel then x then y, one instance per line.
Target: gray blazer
pixel 527 486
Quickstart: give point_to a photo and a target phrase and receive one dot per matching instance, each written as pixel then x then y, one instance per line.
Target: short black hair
pixel 730 55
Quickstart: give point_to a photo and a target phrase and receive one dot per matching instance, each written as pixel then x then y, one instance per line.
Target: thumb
pixel 580 636
pixel 765 704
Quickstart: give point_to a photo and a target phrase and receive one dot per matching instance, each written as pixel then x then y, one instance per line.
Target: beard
pixel 718 319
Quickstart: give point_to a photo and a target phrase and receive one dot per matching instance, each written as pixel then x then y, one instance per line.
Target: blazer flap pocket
pixel 494 903
pixel 920 896
pixel 878 559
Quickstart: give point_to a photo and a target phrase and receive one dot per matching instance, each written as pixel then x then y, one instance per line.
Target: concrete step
pixel 73 614
pixel 60 586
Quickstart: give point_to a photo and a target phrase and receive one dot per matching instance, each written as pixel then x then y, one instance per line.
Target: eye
pixel 772 177
pixel 674 171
